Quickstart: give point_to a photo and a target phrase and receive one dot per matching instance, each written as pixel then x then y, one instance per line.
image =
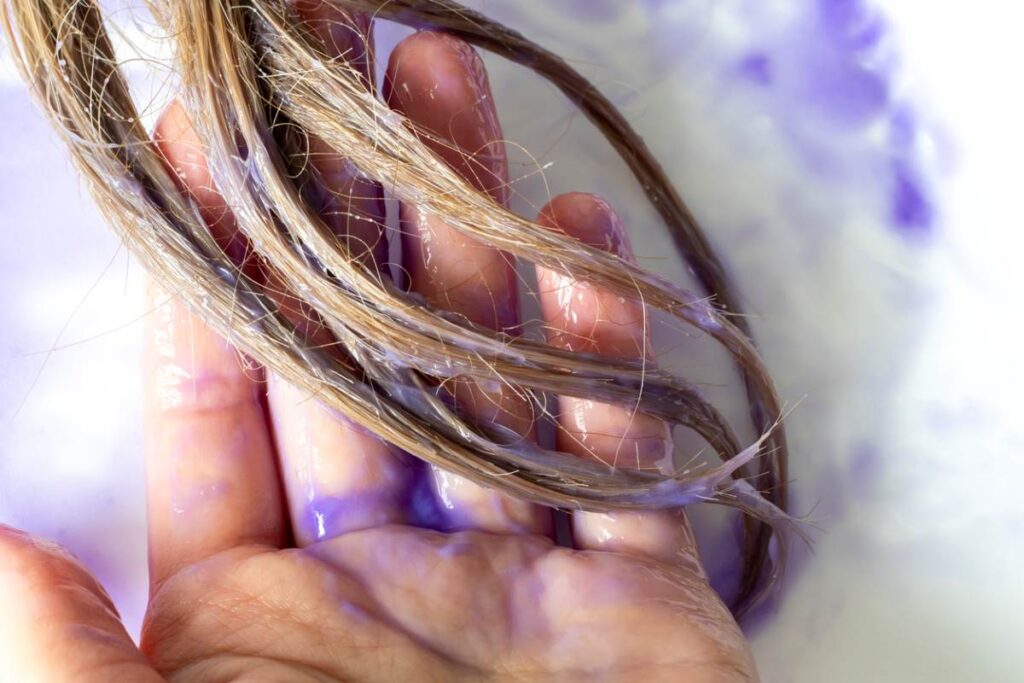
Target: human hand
pixel 288 544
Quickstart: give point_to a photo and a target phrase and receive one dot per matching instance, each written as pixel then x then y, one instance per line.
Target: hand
pixel 288 544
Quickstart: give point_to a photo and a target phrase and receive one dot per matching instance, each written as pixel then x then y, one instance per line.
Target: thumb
pixel 57 623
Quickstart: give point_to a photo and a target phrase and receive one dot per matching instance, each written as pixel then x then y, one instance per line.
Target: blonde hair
pixel 244 65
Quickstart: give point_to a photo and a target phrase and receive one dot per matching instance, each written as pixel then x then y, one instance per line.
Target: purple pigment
pixel 757 68
pixel 910 209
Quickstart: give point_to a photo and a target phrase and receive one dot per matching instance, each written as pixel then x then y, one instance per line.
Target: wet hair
pixel 249 68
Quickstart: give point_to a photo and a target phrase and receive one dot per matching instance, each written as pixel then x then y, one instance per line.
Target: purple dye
pixel 355 611
pixel 836 79
pixel 757 68
pixel 327 516
pixel 424 508
pixel 844 91
pixel 853 23
pixel 454 548
pixel 902 129
pixel 910 209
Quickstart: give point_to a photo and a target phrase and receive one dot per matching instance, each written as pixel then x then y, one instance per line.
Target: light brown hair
pixel 247 65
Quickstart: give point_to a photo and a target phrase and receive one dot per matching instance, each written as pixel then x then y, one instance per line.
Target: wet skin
pixel 397 571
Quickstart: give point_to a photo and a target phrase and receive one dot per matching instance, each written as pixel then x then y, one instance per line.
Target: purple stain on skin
pixel 354 610
pixel 425 510
pixel 416 502
pixel 330 515
pixel 911 211
pixel 455 548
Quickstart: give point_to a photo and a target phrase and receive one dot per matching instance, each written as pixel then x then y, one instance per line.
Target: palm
pixel 399 603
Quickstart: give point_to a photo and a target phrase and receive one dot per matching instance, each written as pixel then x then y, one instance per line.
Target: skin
pixel 288 544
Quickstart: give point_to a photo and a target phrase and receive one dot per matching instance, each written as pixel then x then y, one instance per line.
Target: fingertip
pixel 579 315
pixel 9 532
pixel 585 317
pixel 35 573
pixel 588 218
pixel 57 621
pixel 17 545
pixel 345 34
pixel 172 124
pixel 440 83
pixel 182 149
pixel 433 59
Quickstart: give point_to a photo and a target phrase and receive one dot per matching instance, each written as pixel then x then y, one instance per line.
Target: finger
pixel 184 155
pixel 210 469
pixel 303 429
pixel 211 478
pixel 57 623
pixel 339 477
pixel 440 84
pixel 584 317
pixel 351 203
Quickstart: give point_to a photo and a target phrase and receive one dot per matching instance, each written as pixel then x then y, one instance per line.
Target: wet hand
pixel 289 544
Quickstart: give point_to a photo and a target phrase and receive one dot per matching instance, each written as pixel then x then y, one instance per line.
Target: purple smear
pixel 846 92
pixel 757 68
pixel 911 210
pixel 425 510
pixel 851 23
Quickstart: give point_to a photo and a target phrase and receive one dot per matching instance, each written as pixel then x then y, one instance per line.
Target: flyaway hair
pixel 257 83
